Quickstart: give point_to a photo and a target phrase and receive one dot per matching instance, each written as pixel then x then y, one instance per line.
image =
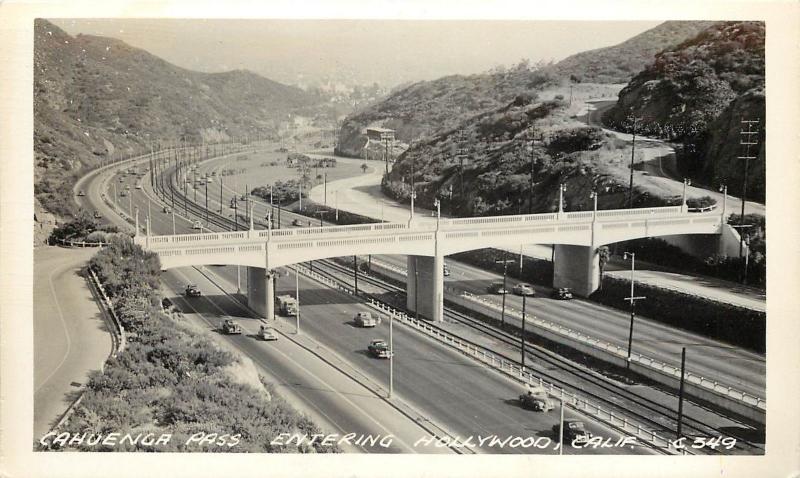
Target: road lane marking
pixel 63 324
pixel 311 374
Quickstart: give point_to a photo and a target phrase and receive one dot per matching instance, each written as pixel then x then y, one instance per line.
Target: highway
pixel 447 388
pixel 715 360
pixel 70 335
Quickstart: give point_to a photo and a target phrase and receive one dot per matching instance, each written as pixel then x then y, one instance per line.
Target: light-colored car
pixel 81 193
pixel 523 289
pixel 197 225
pixel 267 333
pixel 167 209
pixel 365 319
pixel 139 186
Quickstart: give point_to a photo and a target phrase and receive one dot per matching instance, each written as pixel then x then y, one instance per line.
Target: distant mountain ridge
pixel 619 63
pixel 95 97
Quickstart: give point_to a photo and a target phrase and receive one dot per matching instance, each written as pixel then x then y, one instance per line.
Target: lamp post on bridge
pixel 561 188
pixel 686 182
pixel 505 291
pixel 438 205
pixel 593 196
pixel 632 299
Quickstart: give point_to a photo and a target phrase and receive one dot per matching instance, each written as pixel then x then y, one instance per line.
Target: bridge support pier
pixel 261 291
pixel 576 267
pixel 425 286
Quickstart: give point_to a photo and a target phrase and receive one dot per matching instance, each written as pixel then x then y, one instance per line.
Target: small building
pixel 380 134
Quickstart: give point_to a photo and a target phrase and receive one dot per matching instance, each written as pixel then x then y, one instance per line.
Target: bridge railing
pixel 445 224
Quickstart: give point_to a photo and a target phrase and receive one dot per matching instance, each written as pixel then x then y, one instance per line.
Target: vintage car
pixel 536 399
pixel 379 348
pixel 297 222
pixel 81 193
pixel 267 333
pixel 574 432
pixel 365 319
pixel 192 291
pixel 231 327
pixel 497 288
pixel 197 225
pixel 97 215
pixel 445 270
pixel 523 289
pixel 562 293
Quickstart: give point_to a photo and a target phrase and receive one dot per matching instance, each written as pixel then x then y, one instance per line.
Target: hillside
pixel 97 97
pixel 697 93
pixel 502 147
pixel 619 63
pixel 426 108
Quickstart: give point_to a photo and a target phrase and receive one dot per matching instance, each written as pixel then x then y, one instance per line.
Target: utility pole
pixel 355 274
pixel 633 149
pixel 505 291
pixel 632 300
pixel 461 152
pixel 680 392
pixel 522 335
pixel 747 140
pixel 206 201
pixel 325 188
pixel 530 186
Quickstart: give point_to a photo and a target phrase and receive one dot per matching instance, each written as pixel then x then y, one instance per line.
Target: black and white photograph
pixel 322 240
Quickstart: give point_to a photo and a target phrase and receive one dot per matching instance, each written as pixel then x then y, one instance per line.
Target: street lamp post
pixel 297 295
pixel 686 182
pixel 633 150
pixel 522 336
pixel 438 205
pixel 632 300
pixel 561 188
pixel 355 274
pixel 505 292
pixel 413 196
pixel 391 355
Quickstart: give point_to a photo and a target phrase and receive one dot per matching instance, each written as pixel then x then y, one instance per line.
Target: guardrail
pixel 73 243
pixel 513 370
pixel 644 360
pixel 118 342
pixel 641 359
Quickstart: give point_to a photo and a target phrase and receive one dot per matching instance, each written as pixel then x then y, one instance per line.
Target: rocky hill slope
pixel 97 97
pixel 697 93
pixel 426 108
pixel 619 63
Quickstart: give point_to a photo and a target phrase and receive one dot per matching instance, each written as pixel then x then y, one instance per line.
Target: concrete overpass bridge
pixel 576 236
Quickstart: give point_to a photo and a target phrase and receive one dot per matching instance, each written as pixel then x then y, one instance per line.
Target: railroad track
pixel 659 417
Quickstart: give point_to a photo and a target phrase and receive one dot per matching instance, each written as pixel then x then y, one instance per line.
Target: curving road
pixel 70 335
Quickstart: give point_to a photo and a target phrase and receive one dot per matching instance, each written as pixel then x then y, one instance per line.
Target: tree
pixel 364 167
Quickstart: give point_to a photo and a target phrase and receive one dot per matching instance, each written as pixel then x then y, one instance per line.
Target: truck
pixel 287 305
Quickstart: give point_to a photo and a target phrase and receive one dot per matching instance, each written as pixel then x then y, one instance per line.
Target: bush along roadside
pixel 736 325
pixel 173 386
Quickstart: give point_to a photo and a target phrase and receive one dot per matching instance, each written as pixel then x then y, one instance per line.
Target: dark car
pixel 297 222
pixel 81 193
pixel 231 327
pixel 445 270
pixel 192 291
pixel 97 215
pixel 562 293
pixel 574 431
pixel 536 399
pixel 497 288
pixel 379 348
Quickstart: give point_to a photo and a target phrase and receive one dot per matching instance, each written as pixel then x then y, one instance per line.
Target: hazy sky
pixel 386 51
